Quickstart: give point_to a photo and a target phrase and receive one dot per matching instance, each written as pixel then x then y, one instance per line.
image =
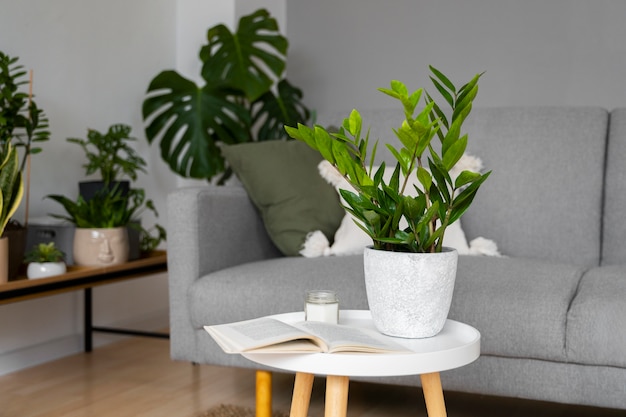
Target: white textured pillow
pixel 351 240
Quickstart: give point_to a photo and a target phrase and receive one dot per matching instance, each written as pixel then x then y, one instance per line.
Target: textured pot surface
pixel 101 247
pixel 409 294
pixel 45 269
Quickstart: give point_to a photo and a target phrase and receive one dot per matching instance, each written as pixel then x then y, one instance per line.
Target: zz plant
pixel 379 206
pixel 244 98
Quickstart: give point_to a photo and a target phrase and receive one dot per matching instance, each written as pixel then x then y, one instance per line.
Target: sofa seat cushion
pixel 596 333
pixel 518 305
pixel 274 286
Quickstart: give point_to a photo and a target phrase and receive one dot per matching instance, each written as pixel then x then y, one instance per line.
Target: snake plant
pixel 11 184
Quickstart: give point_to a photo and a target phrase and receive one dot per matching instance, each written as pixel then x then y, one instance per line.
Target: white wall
pixel 568 52
pixel 92 62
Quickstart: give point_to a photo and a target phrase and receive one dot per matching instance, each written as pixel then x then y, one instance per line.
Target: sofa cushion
pixel 518 305
pixel 529 298
pixel 282 180
pixel 543 199
pixel 596 333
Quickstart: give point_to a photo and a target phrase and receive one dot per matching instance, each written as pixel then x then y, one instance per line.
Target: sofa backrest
pixel 544 197
pixel 614 228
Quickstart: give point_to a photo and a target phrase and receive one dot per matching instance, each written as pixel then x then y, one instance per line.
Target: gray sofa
pixel 552 311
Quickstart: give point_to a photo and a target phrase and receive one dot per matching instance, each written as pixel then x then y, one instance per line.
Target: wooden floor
pixel 136 378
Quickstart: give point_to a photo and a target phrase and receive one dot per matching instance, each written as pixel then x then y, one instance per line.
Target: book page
pixel 341 338
pixel 253 334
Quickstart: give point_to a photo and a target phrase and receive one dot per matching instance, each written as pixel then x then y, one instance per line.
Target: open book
pixel 269 335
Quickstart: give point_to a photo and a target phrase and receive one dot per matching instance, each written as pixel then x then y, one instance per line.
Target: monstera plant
pixel 244 98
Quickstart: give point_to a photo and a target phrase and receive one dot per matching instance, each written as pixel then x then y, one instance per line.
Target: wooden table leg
pixel 433 395
pixel 301 395
pixel 263 394
pixel 336 396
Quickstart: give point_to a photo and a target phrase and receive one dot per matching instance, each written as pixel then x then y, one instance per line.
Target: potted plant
pixel 404 226
pixel 244 98
pixel 101 236
pixel 111 155
pixel 45 260
pixel 11 193
pixel 24 125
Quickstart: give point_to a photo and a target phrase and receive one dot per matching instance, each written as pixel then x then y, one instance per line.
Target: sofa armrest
pixel 209 228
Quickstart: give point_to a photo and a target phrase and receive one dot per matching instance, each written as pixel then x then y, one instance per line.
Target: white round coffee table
pixel 457 345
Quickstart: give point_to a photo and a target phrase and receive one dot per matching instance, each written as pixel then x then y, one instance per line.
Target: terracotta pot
pixel 4 260
pixel 17 246
pixel 100 247
pixel 409 294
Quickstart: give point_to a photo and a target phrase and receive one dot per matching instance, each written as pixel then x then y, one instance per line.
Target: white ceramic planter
pixel 45 269
pixel 100 247
pixel 409 294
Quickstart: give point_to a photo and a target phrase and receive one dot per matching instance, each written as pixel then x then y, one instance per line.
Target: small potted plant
pixel 101 236
pixel 397 299
pixel 110 155
pixel 45 260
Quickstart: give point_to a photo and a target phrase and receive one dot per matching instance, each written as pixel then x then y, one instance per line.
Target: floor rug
pixel 224 410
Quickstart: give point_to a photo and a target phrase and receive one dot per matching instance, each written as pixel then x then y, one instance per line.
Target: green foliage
pixel 44 252
pixel 110 153
pixel 108 208
pixel 243 98
pixel 11 183
pixel 379 206
pixel 151 238
pixel 21 121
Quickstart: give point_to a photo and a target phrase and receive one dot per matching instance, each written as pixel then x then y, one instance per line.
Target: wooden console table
pixel 85 278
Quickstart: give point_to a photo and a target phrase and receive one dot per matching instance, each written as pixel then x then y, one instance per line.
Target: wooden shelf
pixel 80 277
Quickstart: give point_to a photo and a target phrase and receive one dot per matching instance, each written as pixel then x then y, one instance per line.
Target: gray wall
pixel 534 52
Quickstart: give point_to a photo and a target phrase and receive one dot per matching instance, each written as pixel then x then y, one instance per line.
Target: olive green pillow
pixel 282 180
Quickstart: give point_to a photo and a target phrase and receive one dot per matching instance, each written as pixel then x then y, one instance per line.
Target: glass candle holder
pixel 321 305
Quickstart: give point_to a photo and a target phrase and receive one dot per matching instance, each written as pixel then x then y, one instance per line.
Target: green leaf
pixel 324 143
pixel 424 178
pixel 463 201
pixel 273 112
pixel 442 78
pixel 446 95
pixel 454 152
pixel 239 60
pixel 465 178
pixel 189 122
pixel 302 133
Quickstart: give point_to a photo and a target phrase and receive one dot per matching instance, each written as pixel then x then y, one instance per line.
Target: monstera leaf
pixel 189 120
pixel 233 59
pixel 239 70
pixel 285 109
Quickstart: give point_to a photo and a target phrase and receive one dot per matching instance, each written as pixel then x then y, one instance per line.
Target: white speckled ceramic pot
pixel 409 294
pixel 45 269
